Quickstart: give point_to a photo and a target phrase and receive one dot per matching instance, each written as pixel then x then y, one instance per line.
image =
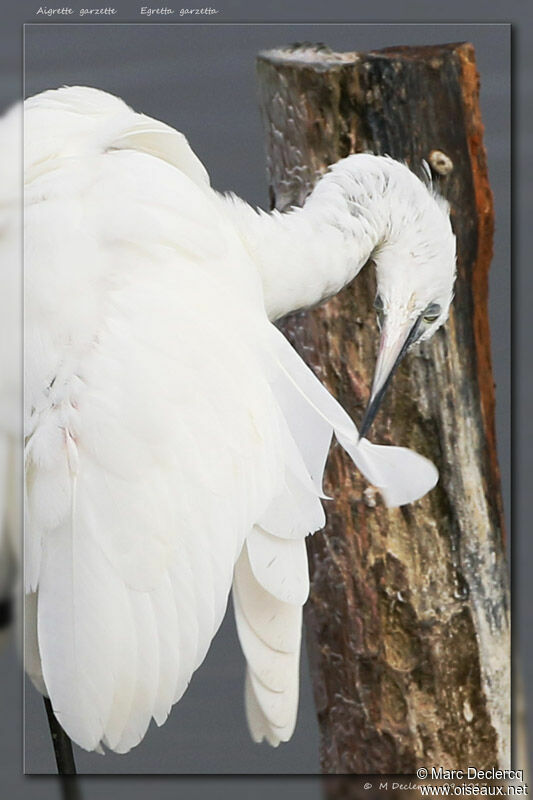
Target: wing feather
pixel 387 467
pixel 76 632
pixel 127 667
pixel 166 619
pixel 147 673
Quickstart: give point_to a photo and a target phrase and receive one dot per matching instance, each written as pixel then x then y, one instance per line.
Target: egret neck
pixel 365 207
pixel 306 255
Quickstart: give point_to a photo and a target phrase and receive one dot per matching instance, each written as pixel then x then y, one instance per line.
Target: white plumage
pixel 175 441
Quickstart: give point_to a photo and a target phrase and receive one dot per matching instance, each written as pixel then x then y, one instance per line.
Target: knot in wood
pixel 440 162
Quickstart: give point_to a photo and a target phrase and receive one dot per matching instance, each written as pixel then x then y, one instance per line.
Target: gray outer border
pixel 455 12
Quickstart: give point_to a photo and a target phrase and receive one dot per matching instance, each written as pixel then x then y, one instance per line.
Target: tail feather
pixel 280 566
pixel 270 635
pixel 279 708
pixel 268 665
pixel 260 727
pixel 276 623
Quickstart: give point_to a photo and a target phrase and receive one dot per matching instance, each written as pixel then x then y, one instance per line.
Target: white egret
pixel 175 442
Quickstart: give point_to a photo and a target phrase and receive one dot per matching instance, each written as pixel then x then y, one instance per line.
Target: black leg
pixel 66 766
pixel 70 787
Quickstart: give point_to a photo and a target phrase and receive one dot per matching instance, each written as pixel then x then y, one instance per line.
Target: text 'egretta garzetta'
pixel 176 442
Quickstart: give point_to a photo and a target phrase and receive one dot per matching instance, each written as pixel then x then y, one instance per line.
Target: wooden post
pixel 407 623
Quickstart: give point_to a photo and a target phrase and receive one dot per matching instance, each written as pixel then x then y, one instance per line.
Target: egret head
pixel 415 271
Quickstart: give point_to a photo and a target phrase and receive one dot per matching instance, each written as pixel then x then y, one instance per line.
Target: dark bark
pixel 407 622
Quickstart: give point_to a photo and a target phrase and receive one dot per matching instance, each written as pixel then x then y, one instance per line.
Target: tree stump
pixel 407 623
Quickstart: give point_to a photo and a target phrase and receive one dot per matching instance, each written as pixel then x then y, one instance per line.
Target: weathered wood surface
pixel 407 624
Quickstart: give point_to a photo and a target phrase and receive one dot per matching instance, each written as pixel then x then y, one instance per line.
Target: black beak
pixel 393 347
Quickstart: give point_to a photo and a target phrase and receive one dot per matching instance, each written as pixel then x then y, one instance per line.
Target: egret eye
pixel 432 313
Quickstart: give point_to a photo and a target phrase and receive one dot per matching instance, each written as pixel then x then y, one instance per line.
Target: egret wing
pixel 152 433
